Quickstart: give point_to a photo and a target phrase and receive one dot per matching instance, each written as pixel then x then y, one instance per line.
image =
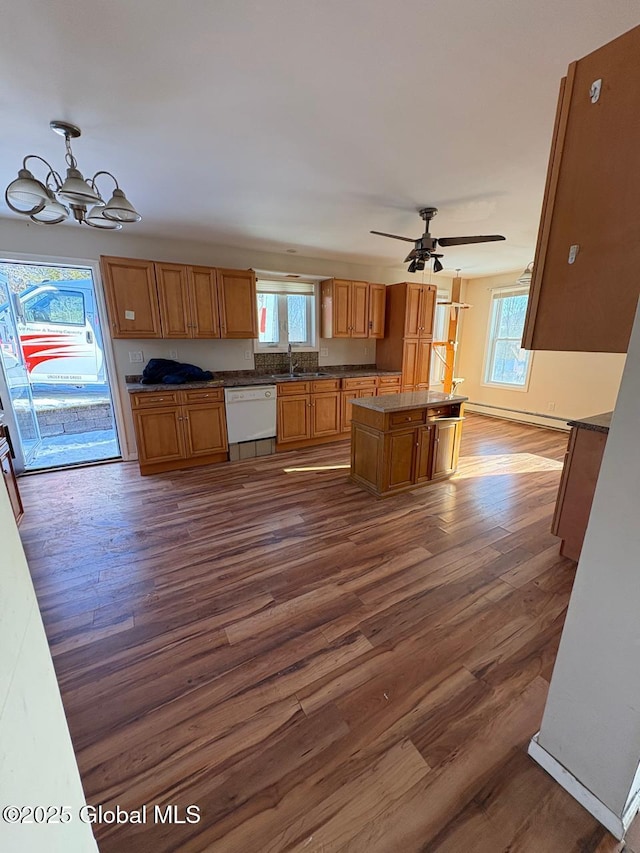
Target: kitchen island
pixel 405 440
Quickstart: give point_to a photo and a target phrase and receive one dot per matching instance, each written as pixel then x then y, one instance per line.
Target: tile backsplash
pixel 278 362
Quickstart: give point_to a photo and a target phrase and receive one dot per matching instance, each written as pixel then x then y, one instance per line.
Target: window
pixel 286 315
pixel 506 363
pixel 65 307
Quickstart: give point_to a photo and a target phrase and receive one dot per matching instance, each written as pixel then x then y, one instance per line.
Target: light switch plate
pixel 136 357
pixel 173 353
pixel 324 352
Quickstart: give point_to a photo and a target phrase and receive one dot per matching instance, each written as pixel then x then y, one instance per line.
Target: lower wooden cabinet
pixel 9 477
pixel 179 429
pixel 308 413
pixel 577 488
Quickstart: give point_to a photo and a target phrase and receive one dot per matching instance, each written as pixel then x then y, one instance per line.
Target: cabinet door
pixel 9 478
pixel 325 413
pixel 410 354
pixel 173 296
pixel 131 297
pixel 205 428
pixel 424 451
pixel 294 419
pixel 359 309
pixel 427 310
pixel 377 294
pixel 159 434
pixel 400 456
pixel 203 299
pixel 423 363
pixel 238 306
pixel 445 447
pixel 412 316
pixel 345 420
pixel 590 202
pixel 341 309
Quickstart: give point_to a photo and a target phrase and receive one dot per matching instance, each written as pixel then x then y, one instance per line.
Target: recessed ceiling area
pixel 300 124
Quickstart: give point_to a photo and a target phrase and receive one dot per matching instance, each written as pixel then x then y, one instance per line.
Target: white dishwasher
pixel 251 412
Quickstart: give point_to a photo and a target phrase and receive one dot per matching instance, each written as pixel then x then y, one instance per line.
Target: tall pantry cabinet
pixel 410 312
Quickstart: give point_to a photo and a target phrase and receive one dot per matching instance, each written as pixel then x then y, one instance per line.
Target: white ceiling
pixel 302 124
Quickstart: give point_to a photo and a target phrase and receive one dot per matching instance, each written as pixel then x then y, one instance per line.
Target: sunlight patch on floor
pixel 314 468
pixel 505 463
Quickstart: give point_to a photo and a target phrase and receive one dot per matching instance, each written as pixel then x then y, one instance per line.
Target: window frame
pixel 312 343
pixel 492 339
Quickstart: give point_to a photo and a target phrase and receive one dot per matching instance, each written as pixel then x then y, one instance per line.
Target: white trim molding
pixel 616 824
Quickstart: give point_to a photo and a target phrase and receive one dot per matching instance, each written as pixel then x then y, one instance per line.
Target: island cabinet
pixel 398 443
pixel 407 345
pixel 147 299
pixel 585 282
pixel 179 429
pixel 308 413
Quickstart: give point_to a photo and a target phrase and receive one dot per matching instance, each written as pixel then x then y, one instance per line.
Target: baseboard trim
pixel 519 417
pixel 616 825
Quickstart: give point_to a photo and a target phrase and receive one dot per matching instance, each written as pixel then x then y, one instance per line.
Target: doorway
pixel 54 382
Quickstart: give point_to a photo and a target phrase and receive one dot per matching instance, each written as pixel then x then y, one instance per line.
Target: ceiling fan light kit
pixel 51 201
pixel 424 247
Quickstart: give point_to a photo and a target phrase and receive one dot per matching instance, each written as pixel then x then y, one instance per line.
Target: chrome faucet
pixel 292 364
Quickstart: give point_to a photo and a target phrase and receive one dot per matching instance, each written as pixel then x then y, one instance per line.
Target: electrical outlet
pixel 248 355
pixel 136 357
pixel 366 350
pixel 324 352
pixel 551 407
pixel 173 353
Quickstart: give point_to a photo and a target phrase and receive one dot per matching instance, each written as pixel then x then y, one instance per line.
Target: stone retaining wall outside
pixel 74 419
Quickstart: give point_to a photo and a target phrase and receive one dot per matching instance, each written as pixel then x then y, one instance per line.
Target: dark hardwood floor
pixel 316 669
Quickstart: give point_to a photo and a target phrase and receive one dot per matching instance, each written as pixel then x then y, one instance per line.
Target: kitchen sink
pixel 298 375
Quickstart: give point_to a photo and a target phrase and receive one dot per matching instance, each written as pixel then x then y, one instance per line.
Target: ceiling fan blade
pixel 394 236
pixel 464 241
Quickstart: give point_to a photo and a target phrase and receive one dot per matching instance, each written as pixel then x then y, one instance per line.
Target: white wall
pixel 37 763
pixel 75 242
pixel 579 384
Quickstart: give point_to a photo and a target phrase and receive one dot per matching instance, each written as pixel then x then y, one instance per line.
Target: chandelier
pixel 49 202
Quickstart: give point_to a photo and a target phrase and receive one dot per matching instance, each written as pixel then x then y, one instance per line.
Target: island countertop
pixel 407 400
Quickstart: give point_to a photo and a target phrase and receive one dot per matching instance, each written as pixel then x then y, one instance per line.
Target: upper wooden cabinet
pixel 131 296
pixel 376 310
pixel 585 281
pixel 163 300
pixel 410 312
pixel 238 304
pixel 345 309
pixel 173 296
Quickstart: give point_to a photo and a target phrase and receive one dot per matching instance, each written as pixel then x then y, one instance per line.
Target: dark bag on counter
pixel 166 371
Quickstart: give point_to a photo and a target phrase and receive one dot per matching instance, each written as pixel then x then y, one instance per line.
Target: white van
pixel 59 334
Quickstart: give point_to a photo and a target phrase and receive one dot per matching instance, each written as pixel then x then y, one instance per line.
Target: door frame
pixel 110 363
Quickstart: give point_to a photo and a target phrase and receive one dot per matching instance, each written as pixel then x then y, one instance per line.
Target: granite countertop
pixel 407 400
pixel 596 423
pixel 234 379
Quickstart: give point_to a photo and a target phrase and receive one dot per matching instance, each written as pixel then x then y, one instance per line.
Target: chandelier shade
pixel 96 219
pixel 47 202
pixel 26 195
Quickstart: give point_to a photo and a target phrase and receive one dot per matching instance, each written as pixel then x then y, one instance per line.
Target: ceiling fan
pixel 425 246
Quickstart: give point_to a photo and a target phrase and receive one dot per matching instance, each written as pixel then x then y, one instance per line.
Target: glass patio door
pixel 15 388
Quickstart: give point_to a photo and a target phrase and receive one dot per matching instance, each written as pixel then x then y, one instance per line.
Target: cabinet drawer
pixel 205 395
pixel 325 385
pixel 145 399
pixel 383 391
pixel 360 382
pixel 384 381
pixel 403 419
pixel 288 389
pixel 443 412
